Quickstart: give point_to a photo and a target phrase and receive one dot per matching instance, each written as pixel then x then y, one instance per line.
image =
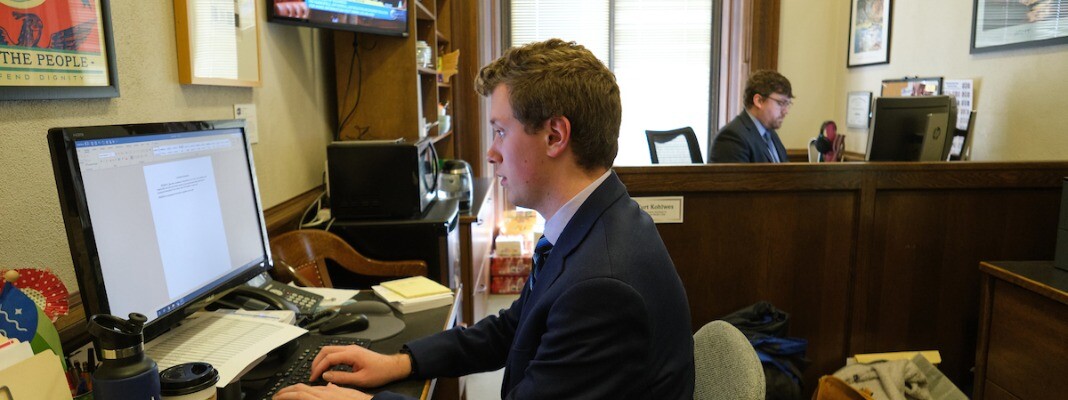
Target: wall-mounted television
pixel 383 17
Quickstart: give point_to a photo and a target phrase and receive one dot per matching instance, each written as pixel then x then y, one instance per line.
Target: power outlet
pixel 247 112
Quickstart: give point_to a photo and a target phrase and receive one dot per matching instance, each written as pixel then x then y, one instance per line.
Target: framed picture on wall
pixel 869 32
pixel 1012 24
pixel 56 49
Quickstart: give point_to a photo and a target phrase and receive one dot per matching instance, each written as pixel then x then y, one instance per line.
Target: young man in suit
pixel 604 314
pixel 751 137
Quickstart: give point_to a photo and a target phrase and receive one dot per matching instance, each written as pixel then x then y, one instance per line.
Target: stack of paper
pixel 231 343
pixel 414 294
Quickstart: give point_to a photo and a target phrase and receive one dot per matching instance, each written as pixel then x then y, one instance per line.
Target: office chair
pixel 302 256
pixel 726 365
pixel 677 146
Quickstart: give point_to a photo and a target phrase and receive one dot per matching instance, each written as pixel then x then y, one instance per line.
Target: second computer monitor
pixel 911 128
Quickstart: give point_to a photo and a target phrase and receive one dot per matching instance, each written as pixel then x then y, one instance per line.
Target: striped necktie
pixel 541 252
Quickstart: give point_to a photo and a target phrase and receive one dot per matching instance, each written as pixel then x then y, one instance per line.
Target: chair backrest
pixel 726 365
pixel 677 146
pixel 813 154
pixel 301 256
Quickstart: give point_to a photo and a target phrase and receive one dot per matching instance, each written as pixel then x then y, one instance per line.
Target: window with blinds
pixel 660 51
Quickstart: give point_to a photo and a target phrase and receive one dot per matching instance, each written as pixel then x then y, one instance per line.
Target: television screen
pixel 385 17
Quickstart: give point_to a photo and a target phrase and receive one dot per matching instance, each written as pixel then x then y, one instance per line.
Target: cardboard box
pixel 507 284
pixel 510 266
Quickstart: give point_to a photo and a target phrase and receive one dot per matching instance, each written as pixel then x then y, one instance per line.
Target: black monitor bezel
pixel 273 17
pixel 78 224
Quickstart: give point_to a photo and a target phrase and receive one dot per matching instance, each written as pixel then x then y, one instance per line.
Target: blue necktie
pixel 541 252
pixel 771 147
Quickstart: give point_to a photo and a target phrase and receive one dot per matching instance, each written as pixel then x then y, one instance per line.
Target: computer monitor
pixel 911 128
pixel 159 216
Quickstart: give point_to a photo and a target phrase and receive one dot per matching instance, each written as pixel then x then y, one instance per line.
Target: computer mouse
pixel 344 323
pixel 366 307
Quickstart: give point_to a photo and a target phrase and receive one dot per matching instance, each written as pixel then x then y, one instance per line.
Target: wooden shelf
pixel 427 71
pixel 444 85
pixel 422 13
pixel 438 138
pixel 441 38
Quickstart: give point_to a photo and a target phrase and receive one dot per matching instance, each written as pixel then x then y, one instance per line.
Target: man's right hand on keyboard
pixel 369 369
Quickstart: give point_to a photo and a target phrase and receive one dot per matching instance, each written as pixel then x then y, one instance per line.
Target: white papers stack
pixel 414 294
pixel 229 342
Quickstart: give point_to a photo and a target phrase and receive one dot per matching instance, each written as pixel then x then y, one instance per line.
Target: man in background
pixel 751 137
pixel 604 314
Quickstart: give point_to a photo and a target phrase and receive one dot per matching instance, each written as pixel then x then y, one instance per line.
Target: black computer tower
pixel 433 238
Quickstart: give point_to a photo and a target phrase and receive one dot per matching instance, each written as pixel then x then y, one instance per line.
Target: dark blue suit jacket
pixel 608 318
pixel 740 142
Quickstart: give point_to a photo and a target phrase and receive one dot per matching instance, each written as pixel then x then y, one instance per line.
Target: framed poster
pixel 56 49
pixel 869 32
pixel 1012 24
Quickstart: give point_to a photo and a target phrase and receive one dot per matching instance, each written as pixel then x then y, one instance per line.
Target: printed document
pixel 229 342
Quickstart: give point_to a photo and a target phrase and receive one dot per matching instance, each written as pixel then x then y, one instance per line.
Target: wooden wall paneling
pixel 799 252
pixel 897 268
pixel 924 281
pixel 466 111
pixel 389 94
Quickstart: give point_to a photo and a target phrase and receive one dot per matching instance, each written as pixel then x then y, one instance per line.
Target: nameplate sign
pixel 664 210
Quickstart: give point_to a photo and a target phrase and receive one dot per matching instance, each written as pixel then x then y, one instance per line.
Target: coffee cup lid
pixel 187 378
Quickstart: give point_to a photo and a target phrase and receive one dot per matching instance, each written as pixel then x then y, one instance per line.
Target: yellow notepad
pixel 416 286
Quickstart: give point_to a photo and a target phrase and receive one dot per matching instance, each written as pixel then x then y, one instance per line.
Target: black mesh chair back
pixel 677 146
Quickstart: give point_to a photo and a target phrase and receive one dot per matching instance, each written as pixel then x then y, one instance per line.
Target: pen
pixel 91 366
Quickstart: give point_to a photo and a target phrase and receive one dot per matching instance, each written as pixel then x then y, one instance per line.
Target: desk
pixel 417 325
pixel 1023 331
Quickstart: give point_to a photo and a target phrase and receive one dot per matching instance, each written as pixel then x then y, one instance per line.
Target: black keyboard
pixel 297 368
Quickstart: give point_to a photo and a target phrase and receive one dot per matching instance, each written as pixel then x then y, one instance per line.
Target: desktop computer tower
pixel 1060 258
pixel 433 238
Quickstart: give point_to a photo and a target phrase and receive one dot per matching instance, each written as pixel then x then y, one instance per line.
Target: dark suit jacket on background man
pixel 740 142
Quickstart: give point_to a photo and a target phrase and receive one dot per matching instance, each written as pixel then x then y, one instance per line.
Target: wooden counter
pixel 866 257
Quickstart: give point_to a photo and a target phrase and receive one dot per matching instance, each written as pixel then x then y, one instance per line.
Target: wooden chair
pixel 302 256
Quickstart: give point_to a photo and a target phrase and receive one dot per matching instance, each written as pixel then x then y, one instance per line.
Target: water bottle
pixel 125 372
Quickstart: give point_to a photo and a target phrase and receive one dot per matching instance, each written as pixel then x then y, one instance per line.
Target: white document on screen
pixel 231 343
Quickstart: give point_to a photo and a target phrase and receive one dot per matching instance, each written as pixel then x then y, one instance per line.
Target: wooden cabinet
pixel 1022 351
pixel 382 91
pixel 476 240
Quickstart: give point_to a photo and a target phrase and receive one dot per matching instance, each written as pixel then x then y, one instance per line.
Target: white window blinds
pixel 661 55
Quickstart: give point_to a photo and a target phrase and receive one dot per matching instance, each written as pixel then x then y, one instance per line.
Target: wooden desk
pixel 1023 331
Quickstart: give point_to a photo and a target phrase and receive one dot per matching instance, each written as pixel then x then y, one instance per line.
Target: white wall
pixel 295 109
pixel 1019 93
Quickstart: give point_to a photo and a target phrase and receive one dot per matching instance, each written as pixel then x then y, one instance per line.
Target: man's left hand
pixel 331 391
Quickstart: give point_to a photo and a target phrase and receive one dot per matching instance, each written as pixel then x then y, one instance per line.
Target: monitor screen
pixel 911 128
pixel 159 216
pixel 385 17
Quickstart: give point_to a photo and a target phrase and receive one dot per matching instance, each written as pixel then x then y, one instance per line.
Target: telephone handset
pixel 252 298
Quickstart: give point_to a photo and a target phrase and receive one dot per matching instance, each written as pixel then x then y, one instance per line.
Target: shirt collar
pixel 555 225
pixel 760 127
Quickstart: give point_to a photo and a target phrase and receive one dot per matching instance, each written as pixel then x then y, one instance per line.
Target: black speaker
pixel 1060 257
